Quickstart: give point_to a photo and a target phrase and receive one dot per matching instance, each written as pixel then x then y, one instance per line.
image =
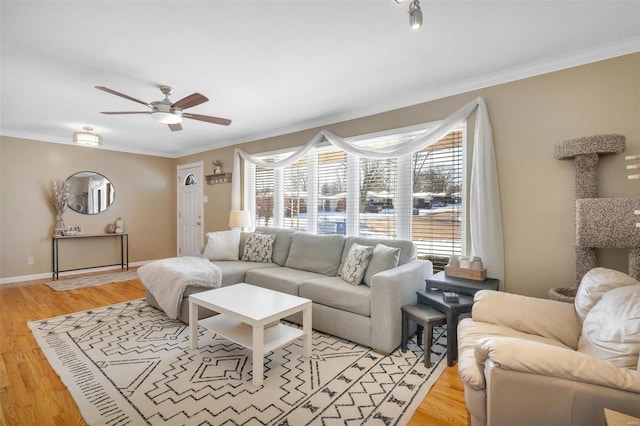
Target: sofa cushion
pixel 356 263
pixel 234 271
pixel 316 253
pixel 470 332
pixel 281 245
pixel 333 292
pixel 407 248
pixel 222 245
pixel 595 284
pixel 542 317
pixel 611 329
pixel 282 279
pixel 258 248
pixel 384 258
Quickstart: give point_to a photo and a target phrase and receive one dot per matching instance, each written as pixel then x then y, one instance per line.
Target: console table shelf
pixel 55 251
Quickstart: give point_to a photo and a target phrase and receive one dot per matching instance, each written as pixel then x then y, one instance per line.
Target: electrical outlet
pixel 30 260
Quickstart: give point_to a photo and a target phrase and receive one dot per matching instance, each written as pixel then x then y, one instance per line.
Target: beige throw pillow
pixel 356 263
pixel 384 257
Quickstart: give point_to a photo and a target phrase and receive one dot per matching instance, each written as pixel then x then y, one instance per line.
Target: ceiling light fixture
pixel 415 15
pixel 399 1
pixel 166 117
pixel 87 138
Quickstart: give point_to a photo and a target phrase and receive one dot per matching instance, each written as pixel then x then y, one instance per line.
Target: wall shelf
pixel 218 178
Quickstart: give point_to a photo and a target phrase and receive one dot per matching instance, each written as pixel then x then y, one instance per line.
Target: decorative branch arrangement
pixel 59 199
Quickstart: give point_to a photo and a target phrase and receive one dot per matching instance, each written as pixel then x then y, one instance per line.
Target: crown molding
pixel 584 57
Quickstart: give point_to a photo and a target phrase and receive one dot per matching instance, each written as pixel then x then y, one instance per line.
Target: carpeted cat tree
pixel 600 222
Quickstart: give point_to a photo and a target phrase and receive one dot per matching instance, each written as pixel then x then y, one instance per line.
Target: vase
pixel 59 229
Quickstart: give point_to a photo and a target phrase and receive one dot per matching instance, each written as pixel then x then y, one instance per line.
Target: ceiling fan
pixel 170 113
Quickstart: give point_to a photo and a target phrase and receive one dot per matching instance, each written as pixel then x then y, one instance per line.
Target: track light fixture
pixel 415 15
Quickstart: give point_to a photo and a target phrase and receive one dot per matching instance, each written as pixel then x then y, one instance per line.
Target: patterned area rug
pixel 92 280
pixel 129 364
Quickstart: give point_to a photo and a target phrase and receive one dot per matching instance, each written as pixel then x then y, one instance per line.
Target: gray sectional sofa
pixel 309 266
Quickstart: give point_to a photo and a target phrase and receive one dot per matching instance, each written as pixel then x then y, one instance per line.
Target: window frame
pixel 403 228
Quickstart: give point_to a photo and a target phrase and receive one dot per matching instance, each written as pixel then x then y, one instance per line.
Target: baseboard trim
pixel 45 275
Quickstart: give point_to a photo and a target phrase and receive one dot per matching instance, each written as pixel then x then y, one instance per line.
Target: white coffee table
pixel 244 311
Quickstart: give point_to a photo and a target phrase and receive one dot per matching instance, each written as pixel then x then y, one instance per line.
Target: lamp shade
pixel 239 219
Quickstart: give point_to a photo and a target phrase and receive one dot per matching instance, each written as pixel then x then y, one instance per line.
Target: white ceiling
pixel 274 67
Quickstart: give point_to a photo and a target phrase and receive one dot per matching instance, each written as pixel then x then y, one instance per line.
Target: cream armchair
pixel 529 361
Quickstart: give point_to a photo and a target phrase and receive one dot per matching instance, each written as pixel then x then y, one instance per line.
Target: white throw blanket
pixel 167 279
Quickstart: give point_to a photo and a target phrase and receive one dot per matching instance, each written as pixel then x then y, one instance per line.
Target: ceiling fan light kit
pixel 168 112
pixel 87 138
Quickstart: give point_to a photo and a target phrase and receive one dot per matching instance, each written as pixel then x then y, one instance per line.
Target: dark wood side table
pixel 461 285
pixel 453 311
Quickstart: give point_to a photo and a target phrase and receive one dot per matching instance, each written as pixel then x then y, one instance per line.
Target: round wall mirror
pixel 90 192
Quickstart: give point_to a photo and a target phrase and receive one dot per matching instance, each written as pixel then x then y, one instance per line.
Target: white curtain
pixel 485 217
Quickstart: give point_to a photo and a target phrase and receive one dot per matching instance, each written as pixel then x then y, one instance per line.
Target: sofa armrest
pixel 390 290
pixel 541 317
pixel 538 358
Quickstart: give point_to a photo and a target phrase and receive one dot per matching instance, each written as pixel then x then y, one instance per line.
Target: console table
pixel 55 251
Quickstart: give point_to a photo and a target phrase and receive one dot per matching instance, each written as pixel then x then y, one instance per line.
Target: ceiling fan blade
pixel 207 118
pixel 175 127
pixel 125 112
pixel 190 101
pixel 122 95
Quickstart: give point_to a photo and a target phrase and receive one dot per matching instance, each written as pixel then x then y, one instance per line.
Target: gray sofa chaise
pixel 309 266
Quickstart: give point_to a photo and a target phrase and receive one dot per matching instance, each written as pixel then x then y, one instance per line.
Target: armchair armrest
pixel 538 358
pixel 541 317
pixel 390 290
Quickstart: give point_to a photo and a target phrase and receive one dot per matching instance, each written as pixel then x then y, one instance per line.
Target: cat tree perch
pixel 600 222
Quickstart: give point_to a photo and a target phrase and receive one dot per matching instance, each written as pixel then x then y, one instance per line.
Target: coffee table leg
pixel 193 324
pixel 306 327
pixel 258 354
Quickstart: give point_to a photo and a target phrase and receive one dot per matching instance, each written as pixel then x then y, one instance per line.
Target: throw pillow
pixel 611 330
pixel 384 257
pixel 356 263
pixel 222 245
pixel 258 247
pixel 595 284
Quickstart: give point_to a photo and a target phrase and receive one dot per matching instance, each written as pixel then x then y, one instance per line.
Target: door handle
pixel 198 223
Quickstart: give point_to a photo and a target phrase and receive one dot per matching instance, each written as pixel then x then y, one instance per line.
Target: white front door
pixel 190 209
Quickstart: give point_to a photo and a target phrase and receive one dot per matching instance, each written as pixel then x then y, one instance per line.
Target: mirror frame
pixel 83 209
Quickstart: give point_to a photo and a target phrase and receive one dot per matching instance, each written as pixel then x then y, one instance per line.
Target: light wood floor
pixel 32 394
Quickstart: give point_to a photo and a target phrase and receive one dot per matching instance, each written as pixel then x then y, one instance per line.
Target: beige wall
pixel 145 199
pixel 529 117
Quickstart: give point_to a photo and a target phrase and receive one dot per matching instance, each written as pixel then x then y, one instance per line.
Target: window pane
pixel 295 195
pixel 332 187
pixel 438 200
pixel 377 195
pixel 264 196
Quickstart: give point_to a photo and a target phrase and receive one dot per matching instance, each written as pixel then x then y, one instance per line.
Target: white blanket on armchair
pixel 167 279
